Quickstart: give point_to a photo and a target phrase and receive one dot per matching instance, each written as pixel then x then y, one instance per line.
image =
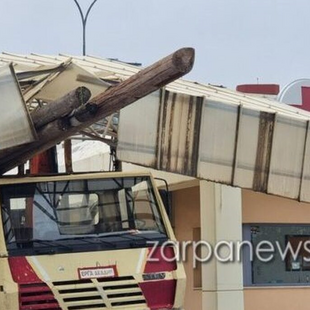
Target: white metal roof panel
pixel 241 143
pixel 122 71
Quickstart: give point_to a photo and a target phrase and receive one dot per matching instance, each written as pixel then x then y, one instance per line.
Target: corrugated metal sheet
pixel 136 145
pixel 178 133
pixel 245 144
pixel 16 127
pixel 218 128
pixel 69 79
pixel 162 131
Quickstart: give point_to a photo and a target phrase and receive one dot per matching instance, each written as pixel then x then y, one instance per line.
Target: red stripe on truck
pixel 159 294
pixel 160 259
pixel 33 292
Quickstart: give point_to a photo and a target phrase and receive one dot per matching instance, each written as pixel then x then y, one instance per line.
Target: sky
pixel 236 41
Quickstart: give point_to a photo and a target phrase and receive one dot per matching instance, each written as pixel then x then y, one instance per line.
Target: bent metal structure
pixel 82 241
pixel 202 131
pixel 54 228
pixel 216 134
pixel 212 133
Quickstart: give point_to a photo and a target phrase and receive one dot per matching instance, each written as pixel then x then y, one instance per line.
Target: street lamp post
pixel 84 21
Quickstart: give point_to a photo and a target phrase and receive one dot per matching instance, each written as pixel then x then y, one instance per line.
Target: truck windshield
pixel 80 215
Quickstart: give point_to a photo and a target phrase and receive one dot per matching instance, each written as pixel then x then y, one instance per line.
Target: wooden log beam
pixel 137 86
pixel 141 84
pixel 60 107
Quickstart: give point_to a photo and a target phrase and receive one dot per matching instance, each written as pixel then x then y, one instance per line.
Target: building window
pixel 283 258
pixel 300 261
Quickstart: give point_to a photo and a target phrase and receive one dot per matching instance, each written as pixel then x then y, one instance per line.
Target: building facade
pixel 222 213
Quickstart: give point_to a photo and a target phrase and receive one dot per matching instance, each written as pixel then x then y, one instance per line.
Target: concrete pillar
pixel 221 220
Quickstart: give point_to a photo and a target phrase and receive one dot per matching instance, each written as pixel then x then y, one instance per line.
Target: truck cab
pixel 87 241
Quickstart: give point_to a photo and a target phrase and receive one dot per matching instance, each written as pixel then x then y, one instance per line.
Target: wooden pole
pixel 137 86
pixel 60 107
